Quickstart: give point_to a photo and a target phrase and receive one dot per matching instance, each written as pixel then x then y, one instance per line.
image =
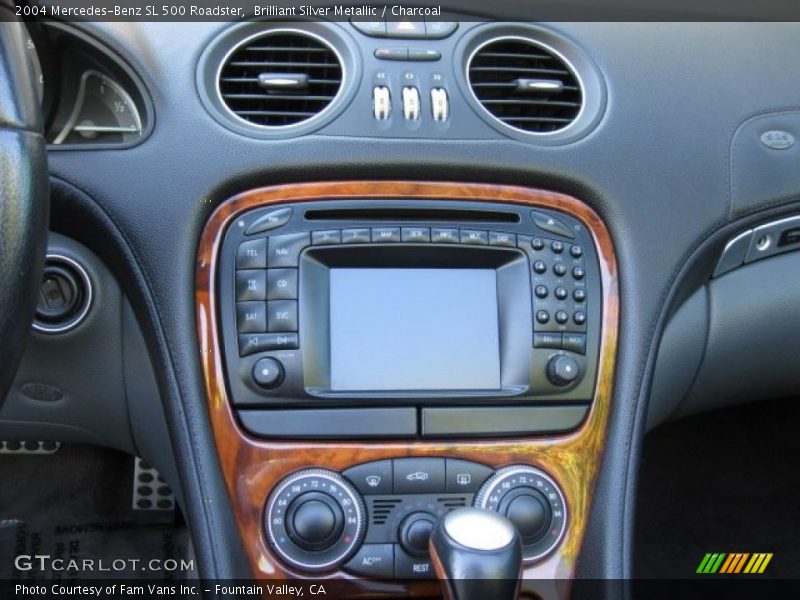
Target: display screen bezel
pixel 514 310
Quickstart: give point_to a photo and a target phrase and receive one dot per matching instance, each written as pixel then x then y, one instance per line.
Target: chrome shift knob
pixel 477 554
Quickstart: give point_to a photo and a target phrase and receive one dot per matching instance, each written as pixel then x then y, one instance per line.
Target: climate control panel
pixel 375 519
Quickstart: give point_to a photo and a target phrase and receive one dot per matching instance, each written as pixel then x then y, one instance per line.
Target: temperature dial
pixel 532 501
pixel 315 520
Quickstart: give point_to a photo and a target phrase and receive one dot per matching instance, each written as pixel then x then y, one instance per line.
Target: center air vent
pixel 525 85
pixel 281 78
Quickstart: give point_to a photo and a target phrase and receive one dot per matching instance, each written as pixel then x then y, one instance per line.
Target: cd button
pixel 282 284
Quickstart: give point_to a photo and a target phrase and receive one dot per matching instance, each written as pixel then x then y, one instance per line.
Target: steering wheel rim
pixel 24 201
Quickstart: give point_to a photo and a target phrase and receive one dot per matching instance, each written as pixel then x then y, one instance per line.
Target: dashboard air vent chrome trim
pixel 280 78
pixel 525 84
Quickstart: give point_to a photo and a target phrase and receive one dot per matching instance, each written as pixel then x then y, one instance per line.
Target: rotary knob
pixel 532 501
pixel 315 520
pixel 562 370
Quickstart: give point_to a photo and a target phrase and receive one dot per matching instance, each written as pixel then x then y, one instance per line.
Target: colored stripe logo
pixel 734 563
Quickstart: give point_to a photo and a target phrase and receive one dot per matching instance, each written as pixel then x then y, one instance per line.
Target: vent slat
pixel 533 70
pixel 268 64
pixel 496 75
pixel 280 52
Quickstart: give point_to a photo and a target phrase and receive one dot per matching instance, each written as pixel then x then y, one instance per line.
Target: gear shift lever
pixel 477 554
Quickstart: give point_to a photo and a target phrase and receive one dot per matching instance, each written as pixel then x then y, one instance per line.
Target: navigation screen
pixel 414 329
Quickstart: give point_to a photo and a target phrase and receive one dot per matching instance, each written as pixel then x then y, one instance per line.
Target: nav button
pixel 373 478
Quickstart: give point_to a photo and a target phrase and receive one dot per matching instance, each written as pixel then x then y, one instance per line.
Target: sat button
pixel 371 478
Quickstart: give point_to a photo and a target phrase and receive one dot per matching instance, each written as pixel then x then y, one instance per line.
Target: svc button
pixel 371 478
pixel 465 476
pixel 419 475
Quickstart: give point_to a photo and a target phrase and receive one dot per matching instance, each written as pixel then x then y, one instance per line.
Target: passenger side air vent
pixel 281 78
pixel 525 85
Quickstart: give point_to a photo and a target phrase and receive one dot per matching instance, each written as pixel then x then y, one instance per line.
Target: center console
pixel 378 354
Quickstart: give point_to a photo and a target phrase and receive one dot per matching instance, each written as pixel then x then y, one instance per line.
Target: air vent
pixel 281 78
pixel 525 85
pixel 382 509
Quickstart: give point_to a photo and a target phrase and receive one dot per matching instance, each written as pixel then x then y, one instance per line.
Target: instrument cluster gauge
pixel 103 111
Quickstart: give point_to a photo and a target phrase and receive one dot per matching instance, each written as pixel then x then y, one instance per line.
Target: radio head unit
pixel 408 303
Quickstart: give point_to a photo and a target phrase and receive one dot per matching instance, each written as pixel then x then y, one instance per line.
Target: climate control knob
pixel 315 520
pixel 532 501
pixel 415 531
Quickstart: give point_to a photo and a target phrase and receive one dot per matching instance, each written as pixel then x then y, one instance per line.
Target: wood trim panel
pixel 252 467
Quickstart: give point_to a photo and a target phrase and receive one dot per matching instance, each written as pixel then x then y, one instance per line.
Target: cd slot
pixel 402 213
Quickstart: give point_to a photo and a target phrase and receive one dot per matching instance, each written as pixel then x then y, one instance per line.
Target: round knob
pixel 314 521
pixel 415 531
pixel 563 370
pixel 529 511
pixel 268 373
pixel 532 501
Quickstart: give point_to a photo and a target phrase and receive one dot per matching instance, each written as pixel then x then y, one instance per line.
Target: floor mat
pixel 725 481
pixel 76 504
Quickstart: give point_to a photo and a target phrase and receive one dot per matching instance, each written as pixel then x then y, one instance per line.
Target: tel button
pixel 373 560
pixel 371 478
pixel 418 475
